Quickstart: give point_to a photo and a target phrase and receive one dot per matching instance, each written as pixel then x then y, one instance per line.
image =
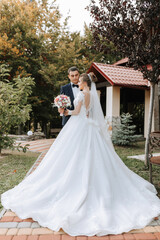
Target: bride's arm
pixel 76 111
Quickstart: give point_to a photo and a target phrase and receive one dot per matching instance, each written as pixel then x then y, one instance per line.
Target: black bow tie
pixel 75 85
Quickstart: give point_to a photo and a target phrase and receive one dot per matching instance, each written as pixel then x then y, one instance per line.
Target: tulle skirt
pixel 83 187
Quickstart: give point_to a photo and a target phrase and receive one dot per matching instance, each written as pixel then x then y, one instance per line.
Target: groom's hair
pixel 72 69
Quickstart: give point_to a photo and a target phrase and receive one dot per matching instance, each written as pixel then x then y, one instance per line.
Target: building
pixel 123 89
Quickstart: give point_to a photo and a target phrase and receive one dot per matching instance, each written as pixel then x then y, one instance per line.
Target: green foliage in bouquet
pixel 124 132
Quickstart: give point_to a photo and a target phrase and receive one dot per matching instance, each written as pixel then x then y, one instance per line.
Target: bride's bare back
pixel 87 99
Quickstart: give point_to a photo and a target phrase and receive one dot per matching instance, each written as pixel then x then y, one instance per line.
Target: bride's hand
pixel 61 110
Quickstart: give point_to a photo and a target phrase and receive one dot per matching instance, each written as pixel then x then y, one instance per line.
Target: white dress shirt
pixel 75 90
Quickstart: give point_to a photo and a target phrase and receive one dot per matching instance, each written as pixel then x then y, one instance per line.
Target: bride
pixel 81 185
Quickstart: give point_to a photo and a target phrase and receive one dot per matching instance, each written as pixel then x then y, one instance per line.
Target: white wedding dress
pixel 83 187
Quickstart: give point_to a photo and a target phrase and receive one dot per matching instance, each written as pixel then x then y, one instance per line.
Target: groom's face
pixel 74 76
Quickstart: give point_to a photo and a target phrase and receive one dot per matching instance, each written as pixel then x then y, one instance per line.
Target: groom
pixel 71 90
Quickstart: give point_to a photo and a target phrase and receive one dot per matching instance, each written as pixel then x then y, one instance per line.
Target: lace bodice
pixel 81 97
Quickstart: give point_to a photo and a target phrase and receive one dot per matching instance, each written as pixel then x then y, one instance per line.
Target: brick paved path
pixel 14 228
pixel 38 145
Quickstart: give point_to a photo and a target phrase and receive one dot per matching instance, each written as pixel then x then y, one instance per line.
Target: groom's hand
pixel 66 112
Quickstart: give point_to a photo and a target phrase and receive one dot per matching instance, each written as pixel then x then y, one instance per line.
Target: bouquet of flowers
pixel 62 101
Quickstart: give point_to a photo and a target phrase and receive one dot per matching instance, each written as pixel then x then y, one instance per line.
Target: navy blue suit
pixel 67 90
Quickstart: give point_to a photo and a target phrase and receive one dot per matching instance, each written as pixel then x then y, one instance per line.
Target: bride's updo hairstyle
pixel 88 79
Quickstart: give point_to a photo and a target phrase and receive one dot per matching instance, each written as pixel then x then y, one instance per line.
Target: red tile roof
pixel 125 60
pixel 120 76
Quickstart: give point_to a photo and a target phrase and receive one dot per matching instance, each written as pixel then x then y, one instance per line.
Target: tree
pixel 134 28
pixel 29 36
pixel 107 54
pixel 14 109
pixel 124 131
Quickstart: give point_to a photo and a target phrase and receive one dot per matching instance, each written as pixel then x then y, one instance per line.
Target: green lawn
pixel 138 166
pixel 14 166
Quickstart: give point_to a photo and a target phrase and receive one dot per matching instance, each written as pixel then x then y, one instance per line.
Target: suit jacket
pixel 67 90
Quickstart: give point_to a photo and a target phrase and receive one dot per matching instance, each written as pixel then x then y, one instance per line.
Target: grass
pixel 14 166
pixel 138 166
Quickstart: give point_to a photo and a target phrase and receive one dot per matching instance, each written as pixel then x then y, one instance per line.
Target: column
pixel 112 105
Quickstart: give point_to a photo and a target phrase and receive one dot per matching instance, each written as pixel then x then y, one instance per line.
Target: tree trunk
pixel 152 89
